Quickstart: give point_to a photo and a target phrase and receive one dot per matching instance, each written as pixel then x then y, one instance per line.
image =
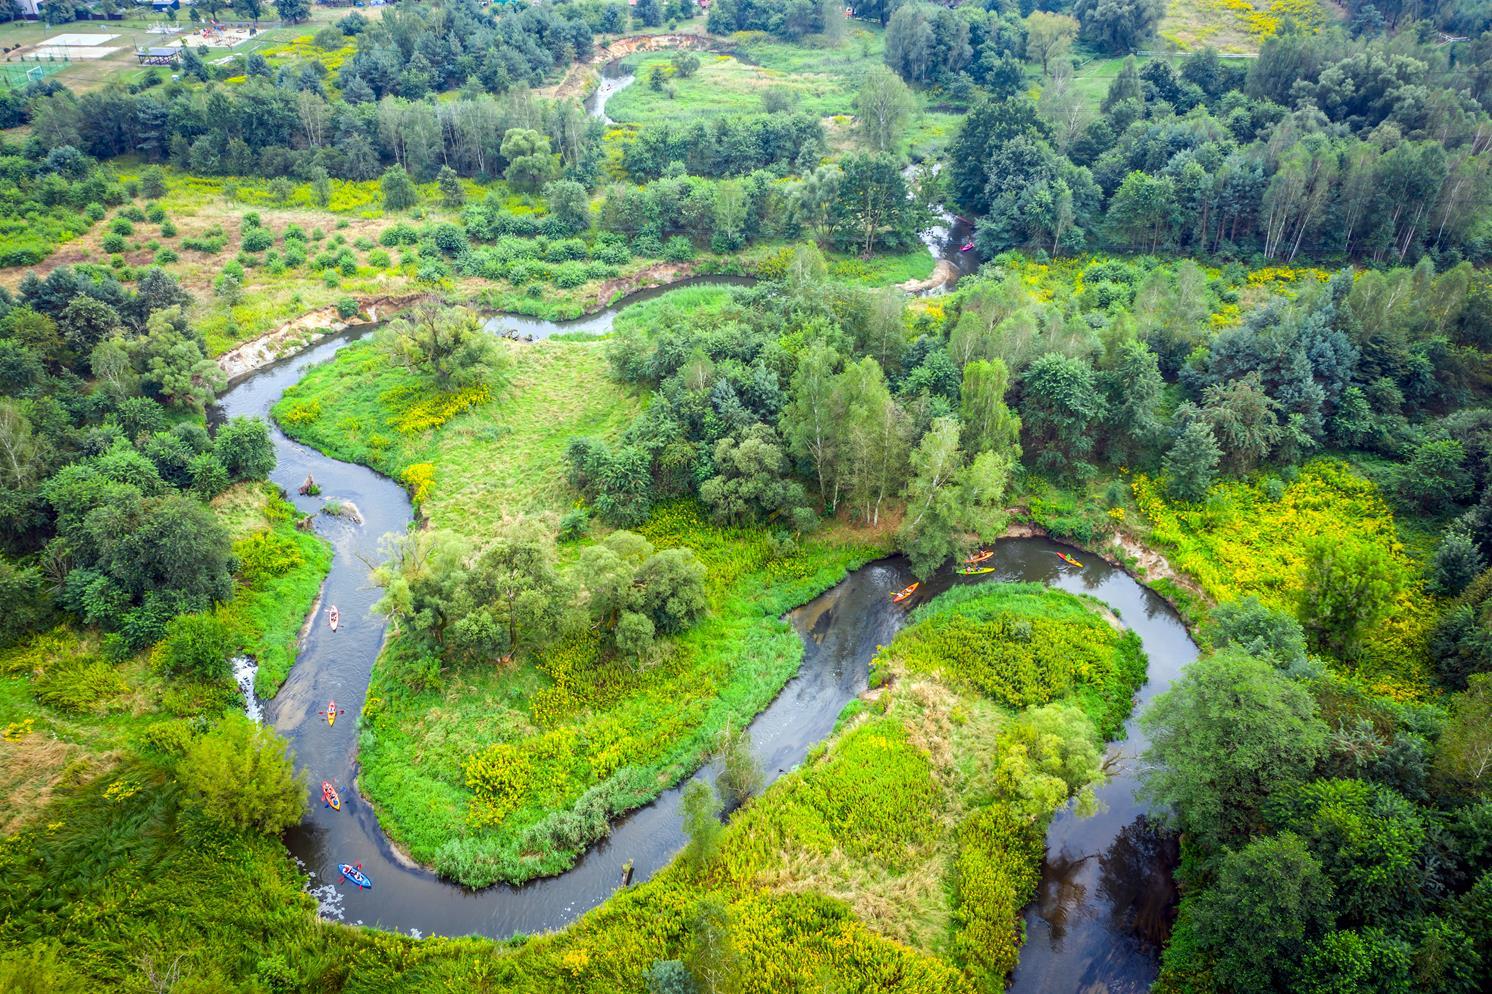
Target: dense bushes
pixel 995 872
pixel 1023 645
pixel 727 146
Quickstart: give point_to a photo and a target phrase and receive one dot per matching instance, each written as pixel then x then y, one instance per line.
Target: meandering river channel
pixel 1105 896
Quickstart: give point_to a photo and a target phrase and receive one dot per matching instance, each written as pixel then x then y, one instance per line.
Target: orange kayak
pixel 331 712
pixel 329 794
pixel 979 557
pixel 1069 560
pixel 904 593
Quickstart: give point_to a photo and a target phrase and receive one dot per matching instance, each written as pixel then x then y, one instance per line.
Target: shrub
pixel 347 308
pixel 121 226
pixel 257 240
pixel 168 229
pixel 197 646
pixel 242 775
pixel 113 243
pixel 79 686
pixel 398 234
pixel 678 249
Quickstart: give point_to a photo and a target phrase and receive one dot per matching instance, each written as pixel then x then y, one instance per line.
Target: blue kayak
pixel 355 875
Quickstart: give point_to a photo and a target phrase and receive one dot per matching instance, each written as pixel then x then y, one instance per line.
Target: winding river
pixel 1105 899
pixel 1105 895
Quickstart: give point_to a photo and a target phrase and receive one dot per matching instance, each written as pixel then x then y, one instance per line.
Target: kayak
pixel 333 617
pixel 331 712
pixel 904 593
pixel 969 247
pixel 330 796
pixel 355 874
pixel 975 570
pixel 978 557
pixel 1069 560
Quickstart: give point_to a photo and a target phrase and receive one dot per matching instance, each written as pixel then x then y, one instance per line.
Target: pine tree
pixel 1191 465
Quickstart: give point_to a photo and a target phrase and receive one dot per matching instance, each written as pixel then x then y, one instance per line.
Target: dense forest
pixel 1217 317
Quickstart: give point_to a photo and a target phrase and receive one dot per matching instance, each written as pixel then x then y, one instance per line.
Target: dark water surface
pixel 1106 895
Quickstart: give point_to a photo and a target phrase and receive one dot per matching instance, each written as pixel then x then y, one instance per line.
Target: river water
pixel 1105 900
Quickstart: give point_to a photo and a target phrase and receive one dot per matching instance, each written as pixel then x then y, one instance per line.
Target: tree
pixel 1457 562
pixel 1190 467
pixel 631 591
pixel 712 958
pixel 293 11
pixel 452 193
pixel 1259 630
pixel 1371 841
pixel 1060 407
pixel 1048 35
pixel 421 575
pixel 882 107
pixel 1348 585
pixel 685 64
pixel 1117 26
pixel 1143 211
pixel 740 773
pixel 1244 420
pixel 1347 960
pixel 754 482
pixel 170 362
pixel 1045 757
pixel 947 499
pixel 244 449
pixel 872 209
pixel 448 343
pixel 399 193
pixel 872 438
pixel 568 205
pixel 649 12
pixel 989 425
pixel 1270 899
pixel 1436 476
pixel 530 163
pixel 1232 730
pixel 701 808
pixel 810 421
pixel 1126 86
pixel 242 775
pixel 513 590
pixel 1464 754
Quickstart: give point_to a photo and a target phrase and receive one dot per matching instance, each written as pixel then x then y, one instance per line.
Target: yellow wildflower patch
pixel 420 479
pixel 429 411
pixel 1240 542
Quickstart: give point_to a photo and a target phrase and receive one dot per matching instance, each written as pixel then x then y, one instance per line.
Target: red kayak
pixel 968 247
pixel 1069 560
pixel 330 796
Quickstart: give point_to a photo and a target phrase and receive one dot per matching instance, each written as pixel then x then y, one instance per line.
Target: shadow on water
pixel 1105 900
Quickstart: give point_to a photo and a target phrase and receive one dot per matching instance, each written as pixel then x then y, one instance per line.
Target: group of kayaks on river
pixel 352 872
pixel 973 566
